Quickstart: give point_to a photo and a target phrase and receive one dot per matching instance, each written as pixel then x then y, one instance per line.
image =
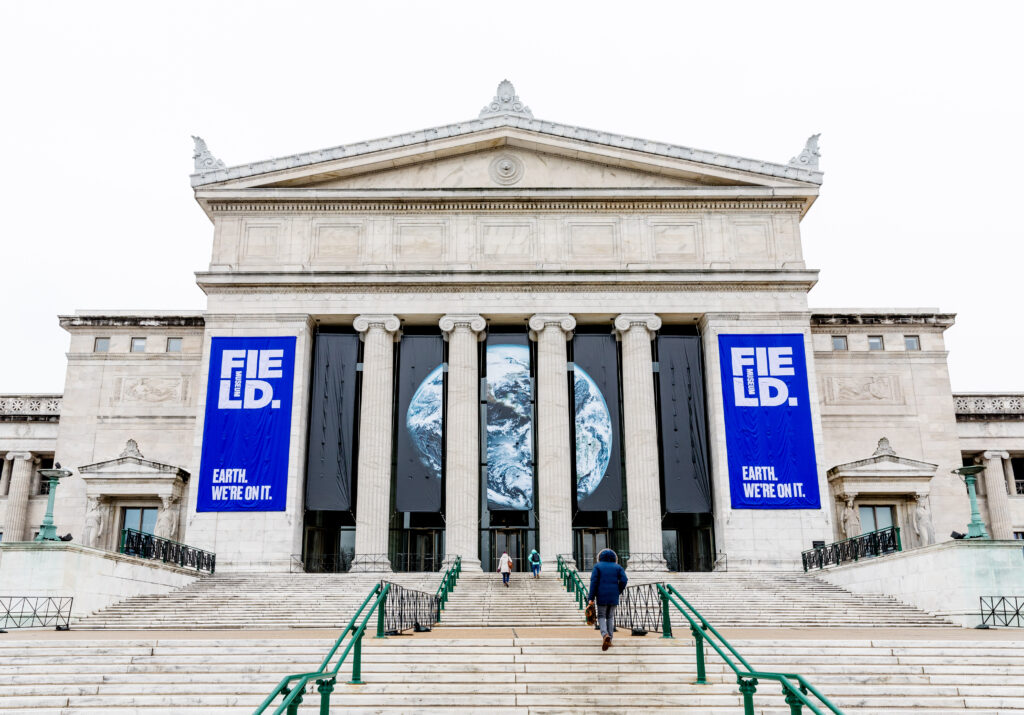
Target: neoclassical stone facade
pixel 510 223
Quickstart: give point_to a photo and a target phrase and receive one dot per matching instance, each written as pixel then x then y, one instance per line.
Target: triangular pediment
pixel 133 466
pixel 510 154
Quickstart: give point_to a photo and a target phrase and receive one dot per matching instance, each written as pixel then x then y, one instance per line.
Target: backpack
pixel 534 558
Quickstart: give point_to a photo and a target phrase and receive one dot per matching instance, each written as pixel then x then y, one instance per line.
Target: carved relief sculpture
pixel 923 528
pixel 167 520
pixel 131 449
pixel 850 519
pixel 93 530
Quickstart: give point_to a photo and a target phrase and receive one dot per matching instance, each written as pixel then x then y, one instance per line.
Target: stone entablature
pixel 822 321
pixel 989 406
pixel 30 408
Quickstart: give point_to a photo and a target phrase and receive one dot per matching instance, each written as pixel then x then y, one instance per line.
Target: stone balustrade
pixel 30 407
pixel 989 406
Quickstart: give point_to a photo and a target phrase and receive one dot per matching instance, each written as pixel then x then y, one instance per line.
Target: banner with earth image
pixel 420 416
pixel 596 424
pixel 509 423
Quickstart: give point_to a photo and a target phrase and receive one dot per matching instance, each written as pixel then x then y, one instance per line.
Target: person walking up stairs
pixel 607 581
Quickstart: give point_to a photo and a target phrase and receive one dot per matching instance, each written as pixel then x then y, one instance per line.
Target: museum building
pixel 508 334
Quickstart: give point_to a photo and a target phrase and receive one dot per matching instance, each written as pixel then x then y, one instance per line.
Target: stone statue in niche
pixel 851 519
pixel 93 530
pixel 167 520
pixel 923 528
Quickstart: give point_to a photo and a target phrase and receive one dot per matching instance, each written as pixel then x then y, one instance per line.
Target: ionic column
pixel 17 497
pixel 462 438
pixel 640 436
pixel 999 523
pixel 373 503
pixel 554 447
pixel 5 477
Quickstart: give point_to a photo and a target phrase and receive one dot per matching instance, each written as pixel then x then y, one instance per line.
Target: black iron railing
pixel 869 545
pixel 407 609
pixel 322 563
pixel 148 546
pixel 35 612
pixel 640 608
pixel 1002 611
pixel 373 563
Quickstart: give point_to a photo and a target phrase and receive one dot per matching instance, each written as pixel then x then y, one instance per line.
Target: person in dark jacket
pixel 607 581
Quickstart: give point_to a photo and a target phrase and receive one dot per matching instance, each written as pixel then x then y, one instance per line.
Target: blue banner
pixel 248 422
pixel 768 433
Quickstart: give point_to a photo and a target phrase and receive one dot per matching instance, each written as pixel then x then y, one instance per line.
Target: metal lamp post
pixel 47 531
pixel 975 529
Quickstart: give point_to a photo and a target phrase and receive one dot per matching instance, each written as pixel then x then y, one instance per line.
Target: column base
pixel 371 563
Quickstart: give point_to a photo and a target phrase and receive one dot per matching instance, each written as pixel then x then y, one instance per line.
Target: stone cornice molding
pixel 648 321
pixel 527 125
pixel 996 454
pixel 452 321
pixel 506 205
pixel 870 319
pixel 11 456
pixel 131 321
pixel 387 323
pixel 147 464
pixel 563 321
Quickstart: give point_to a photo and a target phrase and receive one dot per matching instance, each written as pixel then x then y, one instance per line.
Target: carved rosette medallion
pixel 506 170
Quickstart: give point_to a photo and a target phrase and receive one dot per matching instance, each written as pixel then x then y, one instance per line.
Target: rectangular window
pixel 174 345
pixel 873 518
pixel 101 345
pixel 1017 471
pixel 875 342
pixel 839 342
pixel 1016 535
pixel 140 518
pixel 911 342
pixel 138 345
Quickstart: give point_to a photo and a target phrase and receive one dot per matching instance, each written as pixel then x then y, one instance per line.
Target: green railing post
pixel 380 622
pixel 357 662
pixel 793 700
pixel 748 686
pixel 698 638
pixel 293 707
pixel 325 687
pixel 666 617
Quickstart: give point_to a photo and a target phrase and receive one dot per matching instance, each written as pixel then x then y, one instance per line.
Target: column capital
pixel 565 322
pixel 649 321
pixel 387 323
pixel 996 454
pixel 27 456
pixel 450 322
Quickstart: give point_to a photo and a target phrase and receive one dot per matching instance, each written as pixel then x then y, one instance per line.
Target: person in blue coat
pixel 607 581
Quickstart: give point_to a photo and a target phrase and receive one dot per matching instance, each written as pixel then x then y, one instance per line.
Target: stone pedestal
pixel 373 504
pixel 554 448
pixel 17 497
pixel 462 438
pixel 640 436
pixel 1000 524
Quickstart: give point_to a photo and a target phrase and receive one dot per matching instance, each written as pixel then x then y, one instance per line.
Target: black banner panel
pixel 420 417
pixel 509 405
pixel 329 460
pixel 597 424
pixel 684 431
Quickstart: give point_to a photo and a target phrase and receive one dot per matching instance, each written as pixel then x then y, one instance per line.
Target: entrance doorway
pixel 589 543
pixel 514 542
pixel 688 542
pixel 422 550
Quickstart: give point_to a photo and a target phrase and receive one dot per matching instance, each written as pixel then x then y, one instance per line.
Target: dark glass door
pixel 589 543
pixel 512 541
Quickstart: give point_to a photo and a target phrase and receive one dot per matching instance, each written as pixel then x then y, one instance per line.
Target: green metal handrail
pixel 572 582
pixel 451 576
pixel 747 678
pixel 325 678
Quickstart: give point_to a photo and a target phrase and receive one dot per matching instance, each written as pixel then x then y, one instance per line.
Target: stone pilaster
pixel 554 448
pixel 462 438
pixel 17 497
pixel 640 434
pixel 1000 524
pixel 5 477
pixel 373 504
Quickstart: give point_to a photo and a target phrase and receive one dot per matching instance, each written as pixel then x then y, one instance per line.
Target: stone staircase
pixel 508 675
pixel 285 601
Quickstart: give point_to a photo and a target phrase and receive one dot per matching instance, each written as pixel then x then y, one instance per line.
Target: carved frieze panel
pixel 863 390
pixel 262 242
pixel 677 241
pixel 147 390
pixel 593 241
pixel 507 240
pixel 752 240
pixel 421 241
pixel 337 242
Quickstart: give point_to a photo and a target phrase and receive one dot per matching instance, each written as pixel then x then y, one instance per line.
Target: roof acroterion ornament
pixel 505 101
pixel 205 160
pixel 808 158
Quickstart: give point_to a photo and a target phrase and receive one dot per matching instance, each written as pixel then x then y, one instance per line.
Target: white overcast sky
pixel 920 106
